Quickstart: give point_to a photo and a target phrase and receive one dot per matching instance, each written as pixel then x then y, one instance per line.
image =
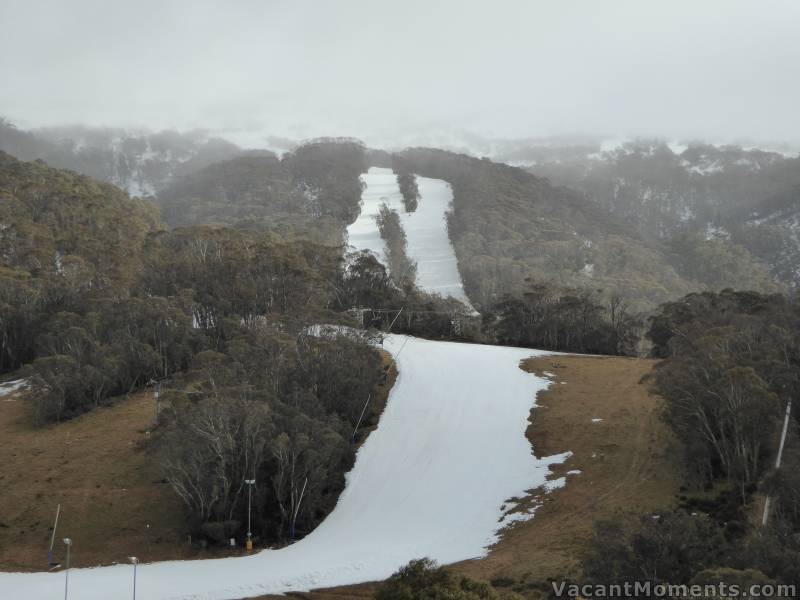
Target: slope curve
pixel 433 480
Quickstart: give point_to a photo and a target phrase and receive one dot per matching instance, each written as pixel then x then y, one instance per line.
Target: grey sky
pixel 720 69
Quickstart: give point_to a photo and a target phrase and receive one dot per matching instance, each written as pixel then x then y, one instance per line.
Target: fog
pixel 389 71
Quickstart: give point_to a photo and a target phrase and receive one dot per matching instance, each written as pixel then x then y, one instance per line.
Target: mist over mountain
pixel 383 71
pixel 398 297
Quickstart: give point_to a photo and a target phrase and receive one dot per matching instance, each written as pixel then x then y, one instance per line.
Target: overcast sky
pixel 721 69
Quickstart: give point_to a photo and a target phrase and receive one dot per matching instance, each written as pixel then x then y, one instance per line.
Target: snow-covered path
pixel 449 450
pixel 426 229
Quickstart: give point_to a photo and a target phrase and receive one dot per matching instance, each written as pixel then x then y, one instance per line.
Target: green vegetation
pixel 508 226
pixel 278 408
pixel 65 241
pixel 402 269
pixel 424 580
pixel 407 182
pixel 99 300
pixel 310 193
pixel 144 163
pixel 744 201
pixel 564 320
pixel 732 363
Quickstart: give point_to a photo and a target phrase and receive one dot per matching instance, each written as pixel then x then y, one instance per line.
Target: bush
pixel 423 580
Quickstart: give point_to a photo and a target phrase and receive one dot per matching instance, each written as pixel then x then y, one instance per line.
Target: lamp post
pixel 68 544
pixel 250 483
pixel 135 563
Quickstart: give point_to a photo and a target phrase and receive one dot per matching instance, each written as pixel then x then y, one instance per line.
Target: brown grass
pixel 114 503
pixel 626 461
pixel 107 483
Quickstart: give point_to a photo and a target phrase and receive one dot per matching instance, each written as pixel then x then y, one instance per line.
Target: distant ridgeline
pixel 141 163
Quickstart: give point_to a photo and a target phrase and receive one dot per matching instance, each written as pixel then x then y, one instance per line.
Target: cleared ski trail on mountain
pixel 432 480
pixel 426 229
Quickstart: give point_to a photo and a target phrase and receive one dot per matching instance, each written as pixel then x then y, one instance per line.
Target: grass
pixel 113 503
pixel 102 470
pixel 627 463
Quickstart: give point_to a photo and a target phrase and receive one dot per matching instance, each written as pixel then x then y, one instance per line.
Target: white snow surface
pixel 9 387
pixel 426 229
pixel 449 453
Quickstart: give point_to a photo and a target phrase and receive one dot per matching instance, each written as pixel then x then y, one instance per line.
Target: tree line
pixel 99 299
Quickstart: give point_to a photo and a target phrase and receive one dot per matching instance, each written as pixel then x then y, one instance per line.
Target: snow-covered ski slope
pixel 432 480
pixel 426 229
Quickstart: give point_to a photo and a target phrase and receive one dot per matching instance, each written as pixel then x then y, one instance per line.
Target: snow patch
pixel 9 387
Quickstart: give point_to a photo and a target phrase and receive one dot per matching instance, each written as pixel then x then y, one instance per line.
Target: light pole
pixel 68 544
pixel 135 563
pixel 250 483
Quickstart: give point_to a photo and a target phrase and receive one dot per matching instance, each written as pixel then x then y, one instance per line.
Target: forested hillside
pixel 722 208
pixel 99 299
pixel 313 191
pixel 65 239
pixel 141 163
pixel 509 226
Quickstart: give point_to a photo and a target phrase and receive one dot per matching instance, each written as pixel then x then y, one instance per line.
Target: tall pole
pixel 250 483
pixel 363 410
pixel 765 517
pixel 53 537
pixel 157 397
pixel 135 563
pixel 68 544
pixel 297 510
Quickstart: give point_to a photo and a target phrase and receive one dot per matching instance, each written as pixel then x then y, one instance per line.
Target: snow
pixel 713 232
pixel 380 188
pixel 433 479
pixel 677 148
pixel 9 387
pixel 426 230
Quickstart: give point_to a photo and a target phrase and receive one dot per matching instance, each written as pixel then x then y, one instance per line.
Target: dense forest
pixel 312 192
pixel 738 207
pixel 508 226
